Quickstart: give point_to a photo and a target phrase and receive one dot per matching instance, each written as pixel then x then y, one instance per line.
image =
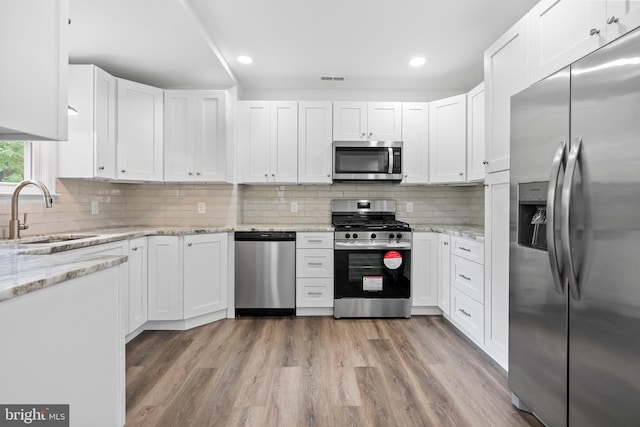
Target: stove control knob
pixel 399 236
pixel 346 236
pixel 355 236
pixel 391 236
pixel 373 235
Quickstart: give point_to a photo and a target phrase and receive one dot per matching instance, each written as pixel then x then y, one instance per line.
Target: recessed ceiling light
pixel 418 61
pixel 244 59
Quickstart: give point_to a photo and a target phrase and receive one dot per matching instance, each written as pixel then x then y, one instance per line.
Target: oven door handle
pixel 368 246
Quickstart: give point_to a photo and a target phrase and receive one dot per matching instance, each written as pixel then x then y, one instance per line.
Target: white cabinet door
pixel 283 166
pixel 254 127
pixel 179 139
pixel 350 121
pixel 137 297
pixel 497 266
pixel 475 133
pixel 506 72
pixel 622 17
pixel 415 133
pixel 91 149
pixel 448 139
pixel 210 135
pixel 444 271
pixel 205 274
pixel 384 121
pixel 424 273
pixel 314 142
pixel 194 138
pixel 563 31
pixel 165 293
pixel 268 141
pixel 140 124
pixel 33 78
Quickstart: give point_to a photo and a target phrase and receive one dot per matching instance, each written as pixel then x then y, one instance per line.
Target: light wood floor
pixel 315 371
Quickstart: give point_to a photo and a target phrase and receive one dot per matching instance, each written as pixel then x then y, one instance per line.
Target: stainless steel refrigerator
pixel 574 276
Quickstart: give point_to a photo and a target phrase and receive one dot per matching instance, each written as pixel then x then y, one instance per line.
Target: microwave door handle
pixel 390 160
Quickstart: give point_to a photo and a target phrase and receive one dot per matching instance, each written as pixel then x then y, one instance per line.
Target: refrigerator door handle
pixel 565 201
pixel 558 164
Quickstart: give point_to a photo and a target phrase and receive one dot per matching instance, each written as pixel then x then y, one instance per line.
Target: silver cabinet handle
pixel 558 164
pixel 328 175
pixel 446 243
pixel 565 204
pixel 314 293
pixel 190 173
pixel 461 173
pixel 464 312
pixel 594 31
pixel 612 20
pixel 134 249
pixel 363 134
pixel 484 162
pixel 314 241
pixel 189 244
pixel 465 277
pixel 370 134
pixel 462 248
pixel 198 173
pixel 100 168
pixel 123 171
pixel 314 263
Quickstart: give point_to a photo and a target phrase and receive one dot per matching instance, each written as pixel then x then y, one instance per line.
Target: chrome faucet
pixel 14 222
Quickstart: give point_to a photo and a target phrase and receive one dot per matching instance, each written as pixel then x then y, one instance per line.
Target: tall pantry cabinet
pixel 506 72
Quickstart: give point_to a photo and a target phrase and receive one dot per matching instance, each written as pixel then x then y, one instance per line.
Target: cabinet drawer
pixel 314 240
pixel 468 277
pixel 314 263
pixel 468 315
pixel 314 292
pixel 468 249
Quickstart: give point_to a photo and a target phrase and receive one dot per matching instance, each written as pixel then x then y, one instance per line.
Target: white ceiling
pixel 194 43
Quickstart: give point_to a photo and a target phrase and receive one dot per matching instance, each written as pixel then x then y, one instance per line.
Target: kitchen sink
pixel 58 238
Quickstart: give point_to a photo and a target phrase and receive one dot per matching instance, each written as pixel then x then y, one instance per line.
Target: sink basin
pixel 58 238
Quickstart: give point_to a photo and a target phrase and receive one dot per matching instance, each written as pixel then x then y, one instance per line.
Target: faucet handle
pixel 24 225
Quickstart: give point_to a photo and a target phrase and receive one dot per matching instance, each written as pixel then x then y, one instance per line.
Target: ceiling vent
pixel 332 78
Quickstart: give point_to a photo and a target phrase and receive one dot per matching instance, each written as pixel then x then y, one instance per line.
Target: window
pixel 13 167
pixel 21 160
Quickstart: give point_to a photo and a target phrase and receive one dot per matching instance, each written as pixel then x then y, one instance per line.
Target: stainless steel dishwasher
pixel 265 273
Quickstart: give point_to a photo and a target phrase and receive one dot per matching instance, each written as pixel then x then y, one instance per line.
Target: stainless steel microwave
pixel 367 161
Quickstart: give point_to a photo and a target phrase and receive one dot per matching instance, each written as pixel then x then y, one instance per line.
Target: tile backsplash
pixel 121 204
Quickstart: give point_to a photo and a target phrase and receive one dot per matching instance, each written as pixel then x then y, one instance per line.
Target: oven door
pixel 372 273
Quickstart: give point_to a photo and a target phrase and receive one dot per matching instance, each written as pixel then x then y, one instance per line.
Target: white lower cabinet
pixel 205 274
pixel 424 271
pixel 187 277
pixel 468 315
pixel 467 287
pixel 137 289
pixel 314 274
pixel 165 278
pixel 444 278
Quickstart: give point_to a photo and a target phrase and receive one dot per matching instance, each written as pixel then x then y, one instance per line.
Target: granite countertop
pixel 473 232
pixel 26 265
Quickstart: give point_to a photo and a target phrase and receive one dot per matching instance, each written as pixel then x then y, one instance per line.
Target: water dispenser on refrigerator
pixel 532 214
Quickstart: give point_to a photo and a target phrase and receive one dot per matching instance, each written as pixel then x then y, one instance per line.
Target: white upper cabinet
pixel 475 133
pixel 506 72
pixel 314 142
pixel 448 139
pixel 90 151
pixel 367 121
pixel 139 137
pixel 622 17
pixel 194 136
pixel 415 133
pixel 33 77
pixel 268 141
pixel 563 31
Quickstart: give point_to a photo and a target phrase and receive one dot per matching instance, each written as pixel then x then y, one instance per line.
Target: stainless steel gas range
pixel 372 260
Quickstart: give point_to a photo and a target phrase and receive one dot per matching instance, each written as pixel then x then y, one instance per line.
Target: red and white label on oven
pixel 392 260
